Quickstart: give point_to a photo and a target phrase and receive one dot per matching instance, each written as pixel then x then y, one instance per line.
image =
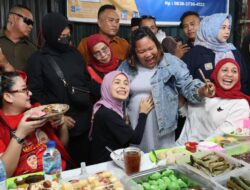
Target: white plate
pixel 118 157
pixel 59 109
pixel 229 130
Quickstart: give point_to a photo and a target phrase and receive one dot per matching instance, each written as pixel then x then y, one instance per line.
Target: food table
pixel 110 165
pixel 182 172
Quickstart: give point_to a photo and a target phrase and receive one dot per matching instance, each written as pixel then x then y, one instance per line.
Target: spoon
pixel 111 151
pixel 156 158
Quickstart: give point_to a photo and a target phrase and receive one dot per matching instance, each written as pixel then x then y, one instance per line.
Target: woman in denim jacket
pixel 163 76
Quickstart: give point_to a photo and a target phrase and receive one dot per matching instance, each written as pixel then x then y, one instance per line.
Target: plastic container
pixel 192 179
pixel 101 180
pixel 239 150
pixel 52 162
pixel 238 163
pixel 222 181
pixel 3 176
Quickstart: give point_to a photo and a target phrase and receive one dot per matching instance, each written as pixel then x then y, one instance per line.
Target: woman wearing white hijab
pixel 211 46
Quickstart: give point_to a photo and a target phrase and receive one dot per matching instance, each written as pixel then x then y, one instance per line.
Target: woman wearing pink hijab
pixel 109 127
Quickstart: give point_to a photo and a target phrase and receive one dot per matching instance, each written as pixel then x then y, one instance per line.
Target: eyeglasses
pixel 99 53
pixel 26 20
pixel 147 17
pixel 24 90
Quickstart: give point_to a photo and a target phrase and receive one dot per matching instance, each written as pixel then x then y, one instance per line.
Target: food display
pixel 163 180
pixel 171 156
pixel 47 111
pixel 33 182
pixel 171 178
pixel 225 141
pixel 244 156
pixel 240 151
pixel 212 164
pixel 238 183
pixel 239 133
pixel 104 180
pixel 168 156
pixel 100 181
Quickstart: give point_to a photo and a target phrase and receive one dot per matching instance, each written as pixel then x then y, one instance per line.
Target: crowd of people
pixel 121 93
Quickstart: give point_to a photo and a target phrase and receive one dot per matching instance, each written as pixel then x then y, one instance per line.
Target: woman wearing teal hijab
pixel 211 46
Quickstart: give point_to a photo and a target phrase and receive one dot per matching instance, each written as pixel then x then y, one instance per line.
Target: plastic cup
pixel 132 160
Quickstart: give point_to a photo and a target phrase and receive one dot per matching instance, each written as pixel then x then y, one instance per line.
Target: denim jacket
pixel 171 79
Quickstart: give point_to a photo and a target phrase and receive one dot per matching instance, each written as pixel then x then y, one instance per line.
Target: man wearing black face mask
pixel 47 87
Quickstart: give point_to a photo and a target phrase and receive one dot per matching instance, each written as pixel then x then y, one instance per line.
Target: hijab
pixel 107 100
pixel 52 26
pixel 233 93
pixel 101 67
pixel 208 31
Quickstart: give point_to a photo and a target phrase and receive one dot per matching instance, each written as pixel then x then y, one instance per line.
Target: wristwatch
pixel 18 139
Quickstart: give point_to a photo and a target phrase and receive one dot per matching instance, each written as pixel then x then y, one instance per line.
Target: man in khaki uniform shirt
pixel 15 46
pixel 108 22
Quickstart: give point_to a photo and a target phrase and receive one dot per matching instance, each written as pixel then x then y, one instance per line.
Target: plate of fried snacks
pixel 47 111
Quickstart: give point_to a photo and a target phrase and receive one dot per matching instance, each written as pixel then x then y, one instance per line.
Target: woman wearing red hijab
pixel 102 61
pixel 228 108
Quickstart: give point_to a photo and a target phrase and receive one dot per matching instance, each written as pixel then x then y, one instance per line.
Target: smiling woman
pixel 163 77
pixel 227 109
pixel 211 46
pixel 101 62
pixel 108 125
pixel 18 134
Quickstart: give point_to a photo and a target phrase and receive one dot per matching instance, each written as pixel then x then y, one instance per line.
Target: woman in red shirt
pixel 22 141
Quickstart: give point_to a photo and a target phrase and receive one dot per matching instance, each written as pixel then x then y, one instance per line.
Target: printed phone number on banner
pixel 183 3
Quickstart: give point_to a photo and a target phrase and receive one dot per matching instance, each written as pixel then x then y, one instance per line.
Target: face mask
pixel 65 40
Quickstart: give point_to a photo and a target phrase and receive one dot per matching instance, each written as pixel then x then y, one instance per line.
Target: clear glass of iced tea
pixel 132 160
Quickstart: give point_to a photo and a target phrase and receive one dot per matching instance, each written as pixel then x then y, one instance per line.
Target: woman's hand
pixel 69 121
pixel 146 105
pixel 208 90
pixel 57 121
pixel 25 127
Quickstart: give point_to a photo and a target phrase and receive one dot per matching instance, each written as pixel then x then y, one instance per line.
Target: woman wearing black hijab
pixel 47 88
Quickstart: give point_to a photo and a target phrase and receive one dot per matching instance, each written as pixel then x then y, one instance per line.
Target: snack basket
pixel 192 179
pixel 237 164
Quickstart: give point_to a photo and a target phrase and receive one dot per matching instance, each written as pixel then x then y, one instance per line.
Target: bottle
pixel 52 163
pixel 3 175
pixel 83 174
